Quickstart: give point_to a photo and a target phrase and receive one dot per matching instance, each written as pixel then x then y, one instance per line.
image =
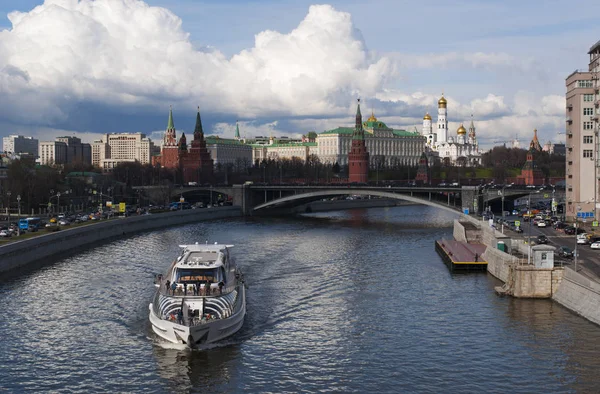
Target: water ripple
pixel 353 301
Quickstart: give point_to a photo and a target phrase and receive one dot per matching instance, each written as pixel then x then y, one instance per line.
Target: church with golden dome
pixel 461 149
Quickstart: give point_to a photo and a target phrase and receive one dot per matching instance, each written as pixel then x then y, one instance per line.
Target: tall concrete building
pixel 20 144
pixel 77 152
pixel 52 153
pixel 582 160
pixel 116 148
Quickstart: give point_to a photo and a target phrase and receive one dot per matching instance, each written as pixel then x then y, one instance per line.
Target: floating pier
pixel 461 256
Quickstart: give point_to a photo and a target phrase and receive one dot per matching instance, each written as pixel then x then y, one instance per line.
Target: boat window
pixel 195 275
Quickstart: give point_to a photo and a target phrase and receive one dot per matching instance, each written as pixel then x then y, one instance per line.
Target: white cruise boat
pixel 201 299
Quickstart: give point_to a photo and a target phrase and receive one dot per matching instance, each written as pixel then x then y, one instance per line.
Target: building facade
pixel 52 153
pixel 227 151
pixel 19 144
pixel 117 148
pixel 386 146
pixel 580 169
pixel 279 149
pixel 461 149
pixel 77 152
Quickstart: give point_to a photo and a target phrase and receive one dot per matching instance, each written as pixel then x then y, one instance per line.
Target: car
pixel 541 223
pixel 565 251
pixel 581 241
pixel 542 239
pixel 5 234
pixel 595 245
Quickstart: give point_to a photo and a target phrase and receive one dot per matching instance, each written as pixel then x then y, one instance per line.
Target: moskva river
pixel 351 301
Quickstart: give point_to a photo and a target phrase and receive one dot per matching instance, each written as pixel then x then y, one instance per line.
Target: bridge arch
pixel 337 192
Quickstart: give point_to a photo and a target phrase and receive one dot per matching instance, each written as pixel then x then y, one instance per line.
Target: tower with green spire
pixel 170 155
pixel 358 157
pixel 170 138
pixel 237 131
pixel 198 164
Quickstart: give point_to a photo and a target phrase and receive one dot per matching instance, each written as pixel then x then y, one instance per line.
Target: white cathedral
pixel 450 150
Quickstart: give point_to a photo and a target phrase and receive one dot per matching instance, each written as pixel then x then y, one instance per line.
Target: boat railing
pixel 189 290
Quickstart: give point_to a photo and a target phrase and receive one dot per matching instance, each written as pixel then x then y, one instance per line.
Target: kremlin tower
pixel 170 150
pixel 358 157
pixel 194 161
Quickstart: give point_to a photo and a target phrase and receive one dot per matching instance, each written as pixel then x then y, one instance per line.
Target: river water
pixel 350 301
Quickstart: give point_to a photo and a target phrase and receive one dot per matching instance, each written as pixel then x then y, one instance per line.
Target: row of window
pixel 588 97
pixel 588 111
pixel 587 153
pixel 585 84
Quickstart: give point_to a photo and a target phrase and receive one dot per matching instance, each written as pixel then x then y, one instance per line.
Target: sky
pixel 287 67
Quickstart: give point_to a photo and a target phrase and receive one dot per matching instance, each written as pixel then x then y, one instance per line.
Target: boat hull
pixel 201 334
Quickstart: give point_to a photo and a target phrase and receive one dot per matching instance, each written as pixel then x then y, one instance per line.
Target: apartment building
pixel 582 161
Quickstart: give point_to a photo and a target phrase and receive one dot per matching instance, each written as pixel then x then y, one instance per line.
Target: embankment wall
pixel 20 254
pixel 579 294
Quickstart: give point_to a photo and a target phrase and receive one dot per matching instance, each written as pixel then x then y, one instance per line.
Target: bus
pixel 176 206
pixel 30 224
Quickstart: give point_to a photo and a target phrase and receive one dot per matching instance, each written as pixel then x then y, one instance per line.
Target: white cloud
pixel 125 52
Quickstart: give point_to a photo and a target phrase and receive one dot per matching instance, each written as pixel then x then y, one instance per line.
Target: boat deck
pixel 461 256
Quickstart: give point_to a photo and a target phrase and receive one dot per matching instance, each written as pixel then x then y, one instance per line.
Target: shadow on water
pixel 197 370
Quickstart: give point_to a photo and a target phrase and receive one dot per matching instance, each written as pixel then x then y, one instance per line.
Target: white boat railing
pixel 190 290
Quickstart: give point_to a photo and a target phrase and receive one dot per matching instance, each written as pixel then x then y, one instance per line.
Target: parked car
pixel 541 223
pixel 595 245
pixel 582 241
pixel 5 233
pixel 565 251
pixel 542 239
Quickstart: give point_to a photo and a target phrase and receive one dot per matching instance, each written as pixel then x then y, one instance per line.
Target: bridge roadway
pixel 256 198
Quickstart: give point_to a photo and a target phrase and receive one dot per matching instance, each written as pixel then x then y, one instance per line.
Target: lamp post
pixel 19 215
pixel 181 198
pixel 530 220
pixel 8 193
pixel 576 234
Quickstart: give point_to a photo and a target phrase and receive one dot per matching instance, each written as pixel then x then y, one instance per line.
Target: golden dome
pixel 372 118
pixel 427 116
pixel 461 130
pixel 442 102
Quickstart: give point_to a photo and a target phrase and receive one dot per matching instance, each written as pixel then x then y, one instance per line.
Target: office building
pixel 17 144
pixel 117 148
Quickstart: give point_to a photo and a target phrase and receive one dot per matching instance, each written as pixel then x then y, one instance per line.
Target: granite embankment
pixel 575 291
pixel 23 253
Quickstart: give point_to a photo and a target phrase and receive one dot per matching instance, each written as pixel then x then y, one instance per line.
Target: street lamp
pixel 576 234
pixel 19 215
pixel 530 220
pixel 8 193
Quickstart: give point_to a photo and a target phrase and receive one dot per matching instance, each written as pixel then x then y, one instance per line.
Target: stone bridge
pixel 259 199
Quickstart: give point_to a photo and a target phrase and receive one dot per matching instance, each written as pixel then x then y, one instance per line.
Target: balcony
pixel 570 107
pixel 569 120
